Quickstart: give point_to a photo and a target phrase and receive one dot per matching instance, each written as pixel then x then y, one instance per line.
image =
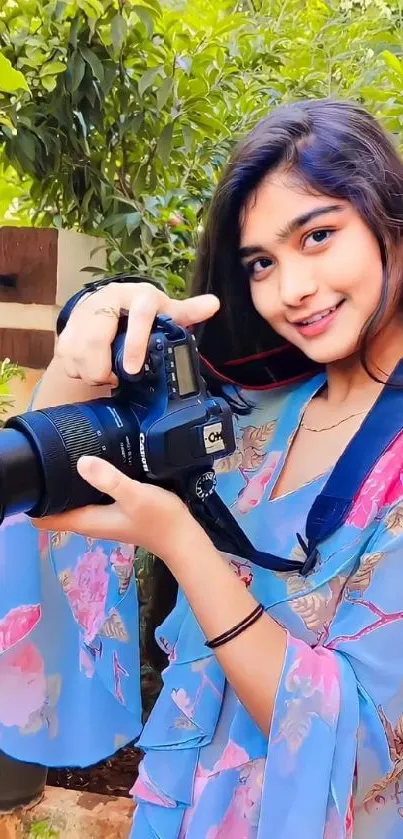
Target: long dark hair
pixel 335 148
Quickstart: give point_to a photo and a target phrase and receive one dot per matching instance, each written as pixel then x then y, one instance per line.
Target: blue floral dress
pixel 332 765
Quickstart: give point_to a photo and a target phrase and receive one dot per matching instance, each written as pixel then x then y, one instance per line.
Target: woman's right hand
pixel 84 347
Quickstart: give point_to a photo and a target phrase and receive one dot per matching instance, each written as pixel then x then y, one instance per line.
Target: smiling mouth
pixel 319 316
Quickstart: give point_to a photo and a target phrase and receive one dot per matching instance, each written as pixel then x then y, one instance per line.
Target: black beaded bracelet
pixel 236 630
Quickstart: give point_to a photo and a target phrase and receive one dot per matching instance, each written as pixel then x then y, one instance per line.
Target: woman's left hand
pixel 143 514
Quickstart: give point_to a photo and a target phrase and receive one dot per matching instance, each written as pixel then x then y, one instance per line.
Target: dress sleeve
pixel 335 752
pixel 69 646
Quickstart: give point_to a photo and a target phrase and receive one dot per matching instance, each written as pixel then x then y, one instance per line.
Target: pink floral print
pixel 252 494
pixel 22 685
pixel 384 486
pixel 86 589
pixel 17 624
pixel 121 560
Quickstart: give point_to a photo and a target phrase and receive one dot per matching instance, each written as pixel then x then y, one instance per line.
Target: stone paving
pixel 68 814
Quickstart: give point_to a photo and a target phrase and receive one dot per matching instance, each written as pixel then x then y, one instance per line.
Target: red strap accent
pixel 270 386
pixel 257 356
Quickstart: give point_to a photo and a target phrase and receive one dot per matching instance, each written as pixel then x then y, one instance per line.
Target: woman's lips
pixel 319 323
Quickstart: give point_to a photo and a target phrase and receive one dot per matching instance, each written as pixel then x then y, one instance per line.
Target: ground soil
pixel 114 776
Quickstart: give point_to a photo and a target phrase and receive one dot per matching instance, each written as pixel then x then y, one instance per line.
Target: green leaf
pixel 188 137
pixel 94 62
pixel 77 71
pixel 26 143
pixel 164 92
pixel 117 221
pixel 49 83
pixel 133 220
pixel 393 62
pixel 148 78
pixel 81 120
pixel 4 120
pixel 175 281
pixel 52 68
pixel 376 94
pixel 123 200
pixel 96 250
pixel 136 122
pixel 155 6
pixel 73 35
pixel 110 74
pixel 92 269
pixel 10 79
pixel 118 32
pixel 209 121
pixel 165 143
pixel 146 18
pixel 140 179
pixel 93 8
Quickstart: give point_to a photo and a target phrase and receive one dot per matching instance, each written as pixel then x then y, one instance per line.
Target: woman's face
pixel 314 266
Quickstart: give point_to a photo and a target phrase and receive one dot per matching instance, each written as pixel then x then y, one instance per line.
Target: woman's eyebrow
pixel 292 226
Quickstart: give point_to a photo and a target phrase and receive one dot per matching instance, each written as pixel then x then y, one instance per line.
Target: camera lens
pixel 21 483
pixel 39 452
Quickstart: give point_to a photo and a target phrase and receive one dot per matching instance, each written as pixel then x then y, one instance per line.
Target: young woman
pixel 293 726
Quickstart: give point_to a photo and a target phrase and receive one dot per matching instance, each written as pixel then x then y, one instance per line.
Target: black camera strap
pixel 332 506
pixel 228 536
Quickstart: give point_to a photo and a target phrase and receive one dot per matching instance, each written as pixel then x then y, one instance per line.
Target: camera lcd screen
pixel 184 371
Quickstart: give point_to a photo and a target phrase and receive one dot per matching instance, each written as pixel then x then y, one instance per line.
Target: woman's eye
pixel 259 266
pixel 318 237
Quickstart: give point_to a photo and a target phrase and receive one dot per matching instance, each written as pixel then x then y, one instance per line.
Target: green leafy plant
pixel 8 372
pixel 11 80
pixel 42 830
pixel 134 105
pixel 12 83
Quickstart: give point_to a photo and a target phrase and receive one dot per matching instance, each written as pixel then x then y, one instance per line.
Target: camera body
pixel 181 428
pixel 159 425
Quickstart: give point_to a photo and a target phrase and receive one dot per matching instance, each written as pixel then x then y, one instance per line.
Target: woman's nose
pixel 296 283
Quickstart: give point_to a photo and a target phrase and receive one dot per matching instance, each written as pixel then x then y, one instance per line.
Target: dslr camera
pixel 160 425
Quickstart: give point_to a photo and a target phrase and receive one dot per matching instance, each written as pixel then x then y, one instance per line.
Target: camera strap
pixel 381 427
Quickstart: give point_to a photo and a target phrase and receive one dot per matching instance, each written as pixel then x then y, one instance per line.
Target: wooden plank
pixel 28 347
pixel 28 265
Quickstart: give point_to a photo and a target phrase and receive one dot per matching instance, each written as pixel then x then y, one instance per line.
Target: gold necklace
pixel 335 424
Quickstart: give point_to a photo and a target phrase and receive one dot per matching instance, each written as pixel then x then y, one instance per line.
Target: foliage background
pixel 125 110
